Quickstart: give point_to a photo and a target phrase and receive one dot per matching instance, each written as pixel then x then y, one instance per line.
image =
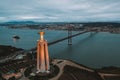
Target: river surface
pixel 90 49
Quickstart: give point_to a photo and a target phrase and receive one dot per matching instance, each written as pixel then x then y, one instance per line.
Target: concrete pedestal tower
pixel 43 65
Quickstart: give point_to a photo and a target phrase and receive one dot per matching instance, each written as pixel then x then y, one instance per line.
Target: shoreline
pixel 7 52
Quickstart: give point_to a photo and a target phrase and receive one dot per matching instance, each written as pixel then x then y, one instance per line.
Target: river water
pixel 90 49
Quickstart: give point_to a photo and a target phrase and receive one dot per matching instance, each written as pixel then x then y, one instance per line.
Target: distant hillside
pixel 20 22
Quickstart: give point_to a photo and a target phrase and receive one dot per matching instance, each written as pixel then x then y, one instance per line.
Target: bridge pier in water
pixel 69 37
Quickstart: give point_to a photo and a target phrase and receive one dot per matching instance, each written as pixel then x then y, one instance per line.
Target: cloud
pixel 59 10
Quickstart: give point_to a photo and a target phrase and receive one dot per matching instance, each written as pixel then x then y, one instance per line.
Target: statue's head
pixel 42 33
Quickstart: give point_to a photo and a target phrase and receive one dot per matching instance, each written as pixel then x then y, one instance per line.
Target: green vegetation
pixel 7 50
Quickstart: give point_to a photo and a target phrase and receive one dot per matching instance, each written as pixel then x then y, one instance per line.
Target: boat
pixel 16 37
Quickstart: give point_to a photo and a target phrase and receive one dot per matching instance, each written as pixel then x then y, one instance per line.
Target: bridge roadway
pixel 65 38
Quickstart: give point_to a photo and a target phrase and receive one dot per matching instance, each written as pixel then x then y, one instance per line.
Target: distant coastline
pixel 112 27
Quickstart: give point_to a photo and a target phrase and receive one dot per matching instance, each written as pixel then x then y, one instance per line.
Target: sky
pixel 59 10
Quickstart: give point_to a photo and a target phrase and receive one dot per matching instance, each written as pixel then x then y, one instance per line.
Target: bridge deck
pixel 59 40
